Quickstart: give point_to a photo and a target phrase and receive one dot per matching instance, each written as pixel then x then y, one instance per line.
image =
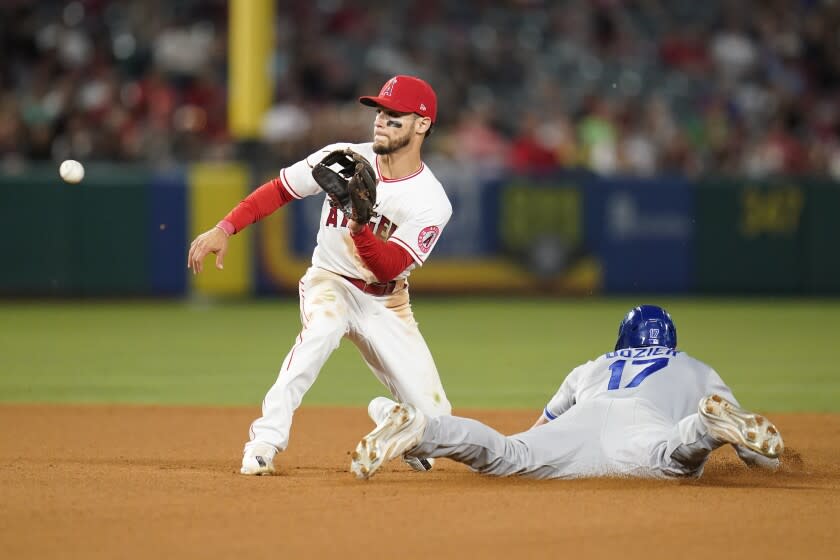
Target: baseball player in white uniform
pixel 630 412
pixel 357 285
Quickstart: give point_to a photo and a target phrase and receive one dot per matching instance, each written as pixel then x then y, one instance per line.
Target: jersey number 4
pixel 617 370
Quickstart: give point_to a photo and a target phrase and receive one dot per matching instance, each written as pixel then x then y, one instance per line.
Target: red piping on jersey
pixel 303 302
pixel 259 204
pixel 386 180
pixel 288 185
pixel 292 354
pixel 385 260
pixel 407 246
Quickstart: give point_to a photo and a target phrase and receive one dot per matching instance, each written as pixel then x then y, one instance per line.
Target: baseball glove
pixel 352 188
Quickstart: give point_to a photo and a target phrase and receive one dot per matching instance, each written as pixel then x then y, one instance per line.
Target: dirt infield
pixel 155 482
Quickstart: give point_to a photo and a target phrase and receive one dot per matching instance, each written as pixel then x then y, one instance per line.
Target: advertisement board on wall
pixel 643 231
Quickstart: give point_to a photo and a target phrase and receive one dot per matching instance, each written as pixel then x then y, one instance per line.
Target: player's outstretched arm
pixel 254 207
pixel 215 241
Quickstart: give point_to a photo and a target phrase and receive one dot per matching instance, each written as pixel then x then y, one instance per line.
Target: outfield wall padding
pixel 125 231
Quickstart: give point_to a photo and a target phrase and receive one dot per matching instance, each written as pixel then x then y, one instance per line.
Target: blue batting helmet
pixel 646 325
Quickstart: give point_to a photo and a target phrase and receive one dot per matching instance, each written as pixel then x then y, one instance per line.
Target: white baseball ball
pixel 71 171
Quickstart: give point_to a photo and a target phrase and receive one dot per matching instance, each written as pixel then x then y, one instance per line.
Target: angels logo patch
pixel 427 238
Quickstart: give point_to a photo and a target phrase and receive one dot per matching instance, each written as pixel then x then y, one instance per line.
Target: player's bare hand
pixel 211 241
pixel 355 227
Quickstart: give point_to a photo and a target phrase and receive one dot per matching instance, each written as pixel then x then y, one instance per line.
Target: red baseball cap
pixel 405 94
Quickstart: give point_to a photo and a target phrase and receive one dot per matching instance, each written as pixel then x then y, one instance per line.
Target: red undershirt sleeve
pixel 385 260
pixel 256 206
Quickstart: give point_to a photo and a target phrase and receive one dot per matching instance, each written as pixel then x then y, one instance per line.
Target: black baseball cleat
pixel 421 465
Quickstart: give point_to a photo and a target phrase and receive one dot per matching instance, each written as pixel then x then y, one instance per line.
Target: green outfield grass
pixel 490 352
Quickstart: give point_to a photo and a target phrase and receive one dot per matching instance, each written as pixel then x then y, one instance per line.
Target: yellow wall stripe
pixel 213 190
pixel 250 44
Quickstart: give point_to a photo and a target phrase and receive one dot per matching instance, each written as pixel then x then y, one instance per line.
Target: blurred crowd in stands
pixel 637 87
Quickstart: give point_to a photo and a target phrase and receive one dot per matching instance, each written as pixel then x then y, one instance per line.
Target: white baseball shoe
pixel 258 459
pixel 732 424
pixel 400 430
pixel 378 410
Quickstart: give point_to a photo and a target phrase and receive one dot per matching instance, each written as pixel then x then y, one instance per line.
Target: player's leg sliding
pixel 378 410
pixel 258 459
pixel 400 430
pixel 732 424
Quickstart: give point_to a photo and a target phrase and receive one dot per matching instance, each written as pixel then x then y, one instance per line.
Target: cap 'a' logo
pixel 388 89
pixel 427 238
pixel 422 106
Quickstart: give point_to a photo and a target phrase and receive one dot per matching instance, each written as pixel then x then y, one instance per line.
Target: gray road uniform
pixel 632 412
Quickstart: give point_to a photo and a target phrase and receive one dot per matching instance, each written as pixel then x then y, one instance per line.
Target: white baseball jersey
pixel 627 413
pixel 412 210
